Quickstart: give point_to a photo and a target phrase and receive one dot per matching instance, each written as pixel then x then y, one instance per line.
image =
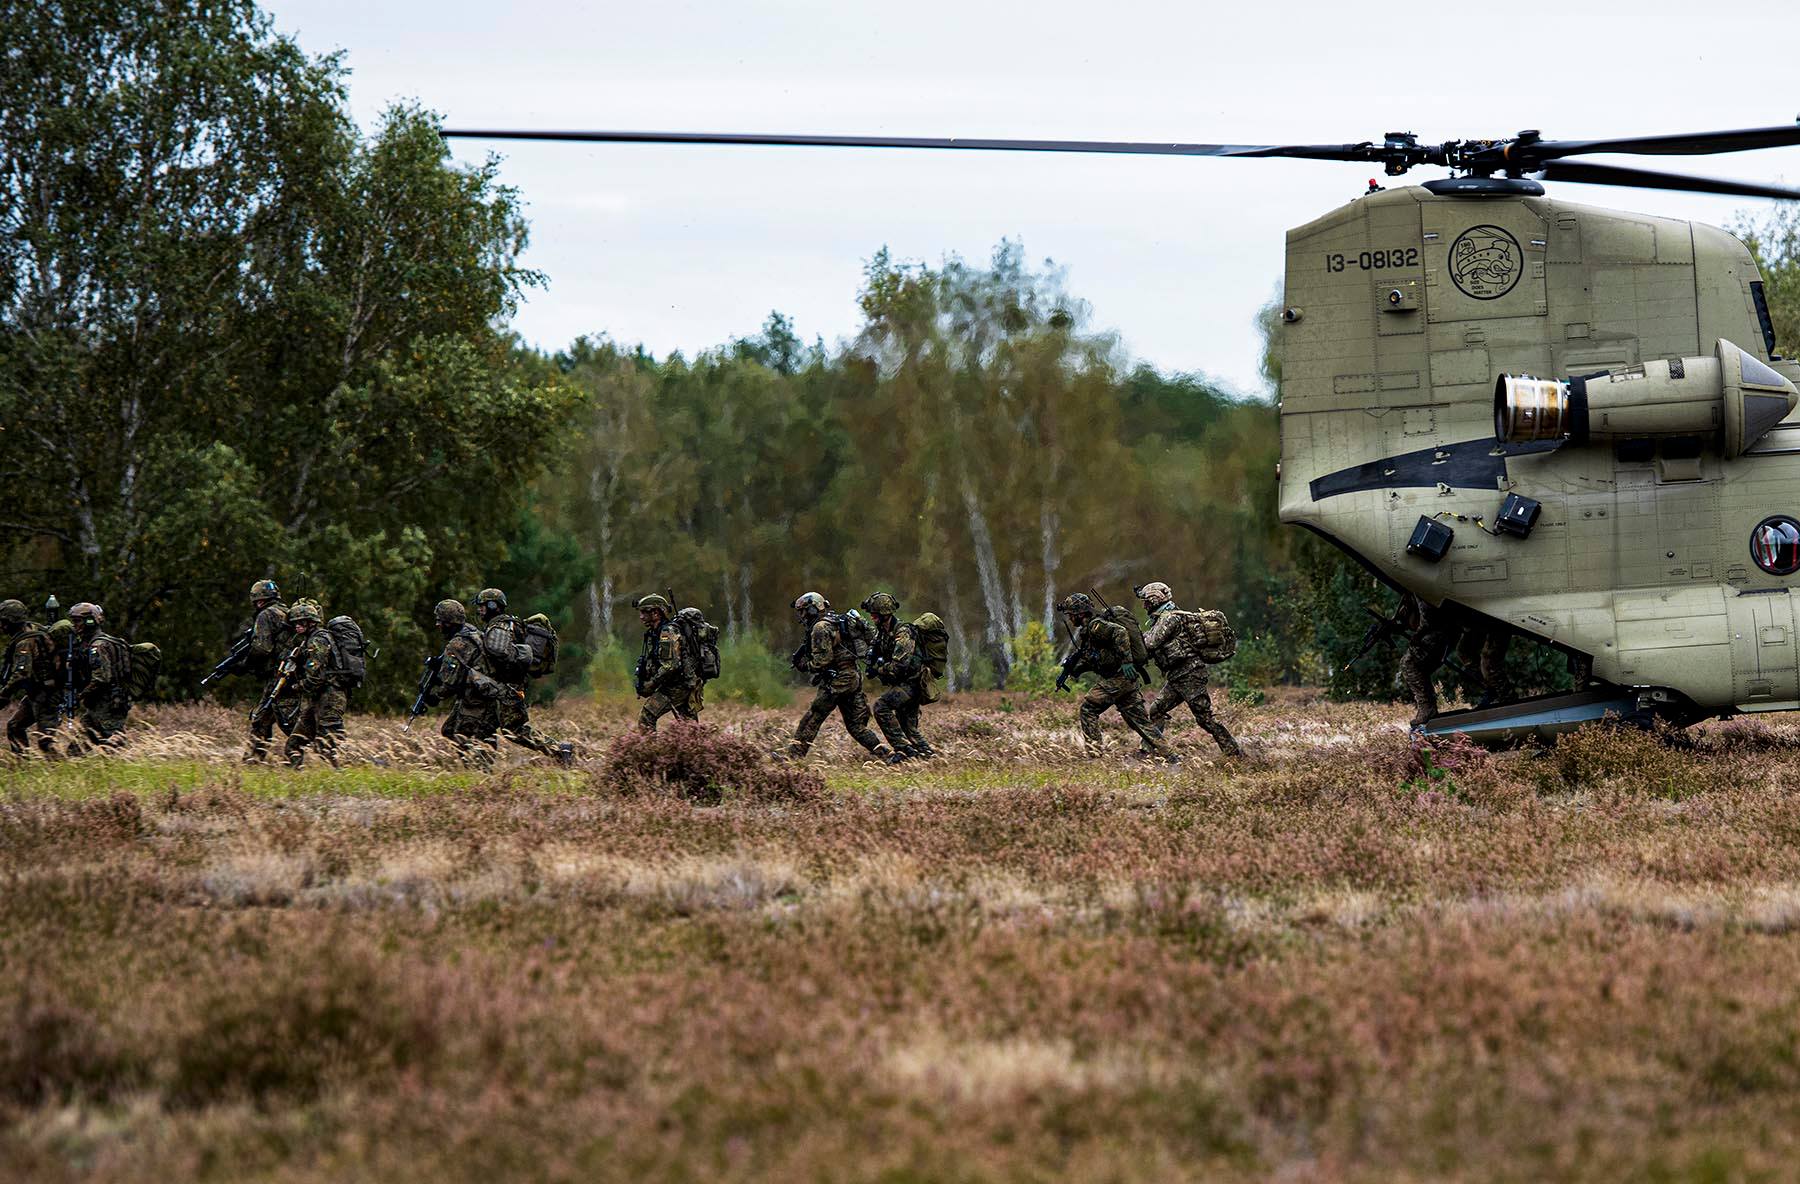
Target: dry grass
pixel 1344 959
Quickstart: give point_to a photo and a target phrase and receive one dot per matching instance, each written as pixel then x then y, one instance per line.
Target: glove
pixel 1131 672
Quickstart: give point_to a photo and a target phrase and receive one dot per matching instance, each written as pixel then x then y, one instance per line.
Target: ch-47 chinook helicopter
pixel 1553 419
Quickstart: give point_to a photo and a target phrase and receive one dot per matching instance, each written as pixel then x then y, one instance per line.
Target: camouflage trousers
pixel 319 721
pixel 1429 647
pixel 472 725
pixel 513 719
pixel 283 712
pixel 685 702
pixel 1190 686
pixel 1121 692
pixel 841 692
pixel 897 712
pixel 35 713
pixel 102 724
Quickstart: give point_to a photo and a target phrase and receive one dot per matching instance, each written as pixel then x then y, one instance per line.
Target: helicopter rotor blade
pixel 1605 174
pixel 1363 151
pixel 1686 144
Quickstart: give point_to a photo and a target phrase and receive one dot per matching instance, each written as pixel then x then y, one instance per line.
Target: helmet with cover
pixel 490 602
pixel 1155 594
pixel 305 612
pixel 87 615
pixel 882 604
pixel 809 605
pixel 12 614
pixel 264 590
pixel 449 614
pixel 1076 604
pixel 655 603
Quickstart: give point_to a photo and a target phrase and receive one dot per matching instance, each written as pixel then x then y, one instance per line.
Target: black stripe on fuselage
pixel 1472 464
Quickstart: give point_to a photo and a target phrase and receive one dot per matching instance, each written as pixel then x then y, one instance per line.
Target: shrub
pixel 750 672
pixel 698 764
pixel 50 1053
pixel 1034 667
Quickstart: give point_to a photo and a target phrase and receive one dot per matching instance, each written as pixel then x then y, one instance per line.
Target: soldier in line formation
pixel 486 674
pixel 72 669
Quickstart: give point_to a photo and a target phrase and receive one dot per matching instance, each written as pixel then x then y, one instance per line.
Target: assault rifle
pixel 289 667
pixel 1383 630
pixel 421 700
pixel 236 657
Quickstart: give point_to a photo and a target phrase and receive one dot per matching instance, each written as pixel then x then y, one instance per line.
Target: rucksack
pixel 540 639
pixel 146 664
pixel 43 658
pixel 857 632
pixel 1211 633
pixel 1140 653
pixel 933 641
pixel 702 638
pixel 349 651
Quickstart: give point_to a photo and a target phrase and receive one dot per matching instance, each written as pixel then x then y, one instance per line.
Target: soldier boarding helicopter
pixel 1558 420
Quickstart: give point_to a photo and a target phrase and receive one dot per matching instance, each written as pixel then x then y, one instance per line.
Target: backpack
pixel 933 641
pixel 349 652
pixel 1140 653
pixel 540 638
pixel 857 632
pixel 43 658
pixel 702 638
pixel 1211 634
pixel 146 664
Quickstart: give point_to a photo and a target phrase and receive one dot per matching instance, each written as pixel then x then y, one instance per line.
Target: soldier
pixel 28 674
pixel 314 672
pixel 1173 642
pixel 461 676
pixel 667 676
pixel 830 657
pixel 1433 630
pixel 102 665
pixel 271 638
pixel 507 658
pixel 897 661
pixel 1105 647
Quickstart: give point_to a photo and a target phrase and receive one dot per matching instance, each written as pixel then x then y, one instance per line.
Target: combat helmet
pixel 810 604
pixel 882 604
pixel 12 614
pixel 1076 602
pixel 86 613
pixel 490 601
pixel 655 603
pixel 449 612
pixel 264 590
pixel 305 610
pixel 1155 594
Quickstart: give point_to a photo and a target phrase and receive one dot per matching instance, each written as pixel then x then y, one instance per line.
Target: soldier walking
pixel 1104 647
pixel 271 638
pixel 829 656
pixel 667 676
pixel 898 661
pixel 28 676
pixel 1433 630
pixel 507 657
pixel 102 666
pixel 460 677
pixel 1175 642
pixel 314 670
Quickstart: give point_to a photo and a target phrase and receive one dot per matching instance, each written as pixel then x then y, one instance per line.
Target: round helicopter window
pixel 1775 545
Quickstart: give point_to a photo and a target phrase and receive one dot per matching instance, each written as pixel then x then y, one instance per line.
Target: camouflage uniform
pixel 318 677
pixel 1185 676
pixel 1105 647
pixel 271 638
pixel 830 658
pixel 102 664
pixel 668 679
pixel 461 677
pixel 1435 630
pixel 896 660
pixel 501 644
pixel 28 676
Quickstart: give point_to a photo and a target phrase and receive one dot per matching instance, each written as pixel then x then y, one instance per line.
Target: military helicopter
pixel 1557 420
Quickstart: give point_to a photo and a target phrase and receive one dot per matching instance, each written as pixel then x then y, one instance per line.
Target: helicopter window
pixel 1762 316
pixel 1634 452
pixel 1775 545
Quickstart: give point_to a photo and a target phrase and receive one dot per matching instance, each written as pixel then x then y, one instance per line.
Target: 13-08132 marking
pixel 1378 260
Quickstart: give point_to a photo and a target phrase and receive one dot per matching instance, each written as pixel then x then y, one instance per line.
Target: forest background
pixel 241 338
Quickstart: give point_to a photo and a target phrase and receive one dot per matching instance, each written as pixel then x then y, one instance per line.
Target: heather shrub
pixel 698 764
pixel 1625 760
pixel 51 1053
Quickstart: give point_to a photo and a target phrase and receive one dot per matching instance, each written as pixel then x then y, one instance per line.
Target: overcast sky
pixel 686 247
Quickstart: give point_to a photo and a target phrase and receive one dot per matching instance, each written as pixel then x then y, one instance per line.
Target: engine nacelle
pixel 1730 396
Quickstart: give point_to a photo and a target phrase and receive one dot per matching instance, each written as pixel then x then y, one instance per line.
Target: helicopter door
pixel 1765 673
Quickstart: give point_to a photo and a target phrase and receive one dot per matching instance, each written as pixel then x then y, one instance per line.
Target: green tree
pixel 238 339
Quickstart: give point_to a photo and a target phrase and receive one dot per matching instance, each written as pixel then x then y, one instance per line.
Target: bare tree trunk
pixel 1016 625
pixel 1049 526
pixel 958 678
pixel 599 617
pixel 987 566
pixel 725 593
pixel 745 620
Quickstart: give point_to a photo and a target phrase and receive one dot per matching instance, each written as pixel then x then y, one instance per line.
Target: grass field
pixel 1342 959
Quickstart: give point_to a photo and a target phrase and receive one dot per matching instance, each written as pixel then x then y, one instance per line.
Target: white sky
pixel 686 247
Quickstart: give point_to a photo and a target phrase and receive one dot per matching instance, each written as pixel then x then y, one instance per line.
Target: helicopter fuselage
pixel 1659 557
